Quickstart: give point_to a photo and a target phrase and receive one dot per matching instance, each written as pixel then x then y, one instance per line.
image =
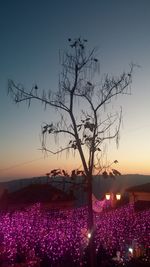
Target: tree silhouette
pixel 82 104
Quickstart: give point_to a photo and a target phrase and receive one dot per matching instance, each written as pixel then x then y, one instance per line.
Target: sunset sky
pixel 31 34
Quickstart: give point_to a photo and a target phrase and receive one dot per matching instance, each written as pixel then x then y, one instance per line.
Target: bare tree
pixel 82 104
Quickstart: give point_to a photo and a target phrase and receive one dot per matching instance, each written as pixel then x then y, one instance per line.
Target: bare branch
pixel 55 152
pixel 20 95
pixel 113 87
pixel 64 131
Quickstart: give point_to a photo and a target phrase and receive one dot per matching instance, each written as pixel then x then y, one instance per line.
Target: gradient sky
pixel 31 34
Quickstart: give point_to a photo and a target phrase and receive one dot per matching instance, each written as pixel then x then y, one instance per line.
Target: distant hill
pixel 16 184
pixel 100 185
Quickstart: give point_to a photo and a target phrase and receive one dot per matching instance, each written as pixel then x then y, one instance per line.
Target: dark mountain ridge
pixel 100 184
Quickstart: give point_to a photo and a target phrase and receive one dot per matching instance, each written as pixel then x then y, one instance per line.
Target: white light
pixel 118 196
pixel 89 235
pixel 107 195
pixel 131 250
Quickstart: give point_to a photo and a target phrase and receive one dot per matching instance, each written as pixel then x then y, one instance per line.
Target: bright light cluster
pixel 34 234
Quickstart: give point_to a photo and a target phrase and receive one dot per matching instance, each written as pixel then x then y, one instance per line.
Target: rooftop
pixel 140 188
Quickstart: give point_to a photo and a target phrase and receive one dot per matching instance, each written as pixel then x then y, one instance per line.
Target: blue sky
pixel 32 32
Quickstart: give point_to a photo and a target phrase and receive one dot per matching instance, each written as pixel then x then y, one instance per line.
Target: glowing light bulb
pixel 89 235
pixel 131 250
pixel 107 195
pixel 118 196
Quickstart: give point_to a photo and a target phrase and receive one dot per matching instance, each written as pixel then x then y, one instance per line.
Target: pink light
pixel 33 233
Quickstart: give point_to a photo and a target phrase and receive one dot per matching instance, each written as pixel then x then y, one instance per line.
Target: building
pixel 48 196
pixel 140 195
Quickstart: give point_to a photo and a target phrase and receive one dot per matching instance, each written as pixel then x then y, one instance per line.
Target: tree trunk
pixel 91 229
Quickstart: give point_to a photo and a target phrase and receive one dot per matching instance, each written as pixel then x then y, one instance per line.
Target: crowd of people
pixel 34 237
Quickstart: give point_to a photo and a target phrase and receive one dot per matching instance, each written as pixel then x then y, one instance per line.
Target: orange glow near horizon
pixel 40 166
pixel 40 169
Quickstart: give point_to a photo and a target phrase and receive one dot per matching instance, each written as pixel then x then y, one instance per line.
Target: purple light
pixel 34 233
